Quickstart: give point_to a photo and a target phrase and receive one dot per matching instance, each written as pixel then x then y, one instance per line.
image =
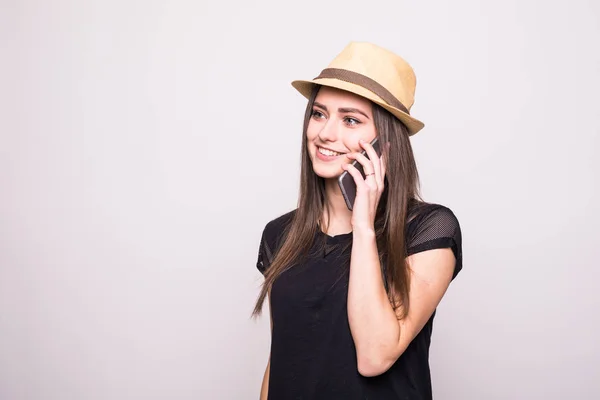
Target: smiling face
pixel 338 121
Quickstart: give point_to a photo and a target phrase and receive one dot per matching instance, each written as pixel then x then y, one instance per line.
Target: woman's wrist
pixel 363 232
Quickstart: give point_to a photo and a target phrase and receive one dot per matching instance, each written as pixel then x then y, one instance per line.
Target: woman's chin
pixel 328 172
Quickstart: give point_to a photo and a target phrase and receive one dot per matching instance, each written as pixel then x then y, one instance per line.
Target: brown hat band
pixel 364 81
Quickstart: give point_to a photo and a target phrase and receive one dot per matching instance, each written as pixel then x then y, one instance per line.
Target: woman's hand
pixel 368 189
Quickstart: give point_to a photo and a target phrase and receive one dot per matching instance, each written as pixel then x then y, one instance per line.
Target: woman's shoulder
pixel 280 223
pixel 433 225
pixel 421 211
pixel 428 223
pixel 276 227
pixel 271 239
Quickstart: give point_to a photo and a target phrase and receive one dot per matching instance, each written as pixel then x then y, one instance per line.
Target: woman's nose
pixel 329 132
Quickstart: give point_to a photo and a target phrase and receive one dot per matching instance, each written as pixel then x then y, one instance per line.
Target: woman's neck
pixel 339 221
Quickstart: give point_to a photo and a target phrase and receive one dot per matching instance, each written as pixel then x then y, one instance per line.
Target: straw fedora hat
pixel 373 72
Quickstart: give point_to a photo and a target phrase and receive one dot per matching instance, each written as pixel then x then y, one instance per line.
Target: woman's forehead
pixel 328 95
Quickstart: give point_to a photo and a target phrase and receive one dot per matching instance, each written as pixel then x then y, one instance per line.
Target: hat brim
pixel 305 87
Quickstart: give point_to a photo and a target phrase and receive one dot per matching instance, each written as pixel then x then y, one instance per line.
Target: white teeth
pixel 328 152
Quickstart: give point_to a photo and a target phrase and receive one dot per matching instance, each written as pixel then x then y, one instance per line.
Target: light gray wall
pixel 144 145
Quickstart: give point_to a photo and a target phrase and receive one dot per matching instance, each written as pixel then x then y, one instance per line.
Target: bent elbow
pixel 372 366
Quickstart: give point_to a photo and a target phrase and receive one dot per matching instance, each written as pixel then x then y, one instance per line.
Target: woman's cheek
pixel 353 145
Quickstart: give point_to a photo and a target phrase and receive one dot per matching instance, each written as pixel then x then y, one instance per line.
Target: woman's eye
pixel 352 121
pixel 317 114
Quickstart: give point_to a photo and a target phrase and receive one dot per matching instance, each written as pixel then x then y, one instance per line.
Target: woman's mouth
pixel 326 154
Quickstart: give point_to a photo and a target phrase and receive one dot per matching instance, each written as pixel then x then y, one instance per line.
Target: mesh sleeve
pixel 436 228
pixel 271 238
pixel 265 255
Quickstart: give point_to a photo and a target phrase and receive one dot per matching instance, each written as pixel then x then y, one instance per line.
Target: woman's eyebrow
pixel 352 110
pixel 344 110
pixel 323 106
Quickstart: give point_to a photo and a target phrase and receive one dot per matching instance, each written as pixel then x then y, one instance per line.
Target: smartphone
pixel 346 181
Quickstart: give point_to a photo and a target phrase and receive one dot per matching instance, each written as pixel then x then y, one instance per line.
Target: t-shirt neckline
pixel 334 239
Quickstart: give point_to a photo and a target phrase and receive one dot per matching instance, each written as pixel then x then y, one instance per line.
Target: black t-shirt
pixel 312 350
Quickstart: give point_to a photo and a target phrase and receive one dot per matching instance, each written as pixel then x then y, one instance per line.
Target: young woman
pixel 353 293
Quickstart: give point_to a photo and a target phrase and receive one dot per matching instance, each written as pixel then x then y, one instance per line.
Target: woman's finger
pixel 367 165
pixel 375 159
pixel 355 173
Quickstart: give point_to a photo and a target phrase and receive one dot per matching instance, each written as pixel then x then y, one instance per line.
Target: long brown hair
pixel 401 188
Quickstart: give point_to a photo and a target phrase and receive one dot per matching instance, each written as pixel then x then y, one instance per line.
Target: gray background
pixel 144 145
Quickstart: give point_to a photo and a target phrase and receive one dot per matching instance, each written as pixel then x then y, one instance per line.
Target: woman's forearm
pixel 264 390
pixel 372 320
